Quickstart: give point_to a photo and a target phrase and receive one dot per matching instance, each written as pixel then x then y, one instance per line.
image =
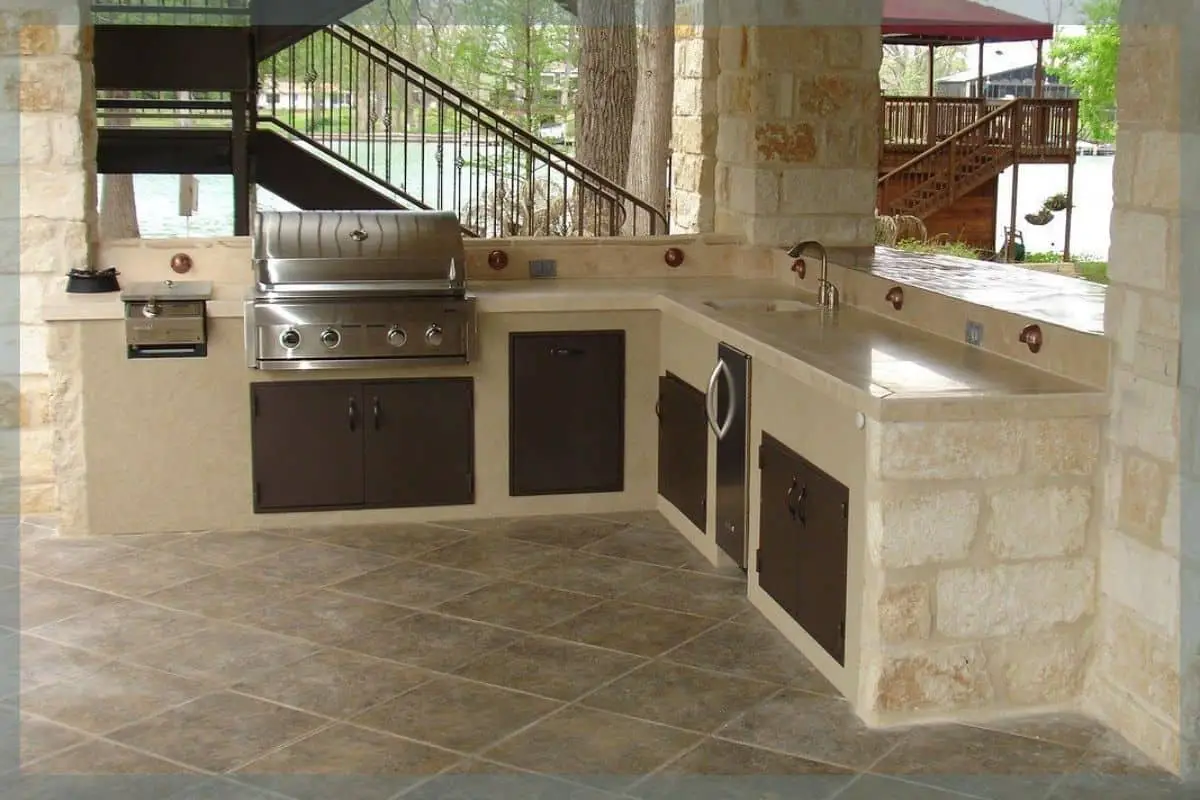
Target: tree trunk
pixel 604 102
pixel 118 208
pixel 650 140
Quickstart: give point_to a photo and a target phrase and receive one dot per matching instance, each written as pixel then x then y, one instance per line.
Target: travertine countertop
pixel 885 369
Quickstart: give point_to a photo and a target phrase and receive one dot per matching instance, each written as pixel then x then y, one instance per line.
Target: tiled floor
pixel 562 658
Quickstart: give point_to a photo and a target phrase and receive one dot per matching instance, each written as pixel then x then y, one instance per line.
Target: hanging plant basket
pixel 1056 202
pixel 1040 218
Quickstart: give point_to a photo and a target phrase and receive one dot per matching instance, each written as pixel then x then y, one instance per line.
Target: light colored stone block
pixel 1039 522
pixel 905 613
pixel 1143 498
pixel 974 603
pixel 942 679
pixel 37 455
pixel 1141 578
pixel 922 529
pixel 1041 670
pixel 1140 659
pixel 51 84
pixel 1138 253
pixel 1146 415
pixel 53 245
pixel 825 191
pixel 1158 177
pixel 54 194
pixel 1062 446
pixel 948 450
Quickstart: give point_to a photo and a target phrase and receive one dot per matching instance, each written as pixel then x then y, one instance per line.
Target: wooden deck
pixel 1048 129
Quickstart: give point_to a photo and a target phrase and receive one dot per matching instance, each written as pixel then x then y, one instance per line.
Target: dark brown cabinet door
pixel 683 448
pixel 307 445
pixel 567 412
pixel 419 442
pixel 803 540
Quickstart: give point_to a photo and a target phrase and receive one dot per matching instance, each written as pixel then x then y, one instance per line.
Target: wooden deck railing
pixel 1048 127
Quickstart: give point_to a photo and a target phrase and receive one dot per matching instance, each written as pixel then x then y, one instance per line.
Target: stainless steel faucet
pixel 827 293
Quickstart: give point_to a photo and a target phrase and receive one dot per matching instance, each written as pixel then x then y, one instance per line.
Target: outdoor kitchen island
pixel 935 498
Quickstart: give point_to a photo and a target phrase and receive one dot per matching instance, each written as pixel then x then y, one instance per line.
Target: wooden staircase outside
pixel 1011 133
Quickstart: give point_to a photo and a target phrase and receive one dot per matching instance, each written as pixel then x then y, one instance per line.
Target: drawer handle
pixel 797 509
pixel 352 414
pixel 376 411
pixel 565 351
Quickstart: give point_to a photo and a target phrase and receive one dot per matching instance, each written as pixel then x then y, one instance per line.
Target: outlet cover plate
pixel 974 333
pixel 543 268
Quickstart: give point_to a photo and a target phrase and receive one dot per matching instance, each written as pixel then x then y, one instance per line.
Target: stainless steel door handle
pixel 710 400
pixel 723 369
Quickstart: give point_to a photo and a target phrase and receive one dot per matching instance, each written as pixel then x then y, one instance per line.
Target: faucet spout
pixel 827 293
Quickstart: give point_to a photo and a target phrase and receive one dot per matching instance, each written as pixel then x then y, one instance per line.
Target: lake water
pixel 158 205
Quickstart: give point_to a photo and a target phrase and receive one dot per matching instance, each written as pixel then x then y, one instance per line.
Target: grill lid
pixel 359 251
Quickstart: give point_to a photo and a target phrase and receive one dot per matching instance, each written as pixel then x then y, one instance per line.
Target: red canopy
pixel 926 22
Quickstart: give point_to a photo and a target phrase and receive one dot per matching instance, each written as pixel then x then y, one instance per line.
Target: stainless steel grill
pixel 345 289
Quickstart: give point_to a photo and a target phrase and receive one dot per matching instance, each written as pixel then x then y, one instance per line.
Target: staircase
pixel 324 116
pixel 957 165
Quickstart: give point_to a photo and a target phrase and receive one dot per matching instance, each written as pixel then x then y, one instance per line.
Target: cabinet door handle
pixel 788 497
pixel 375 411
pixel 802 506
pixel 565 351
pixel 352 414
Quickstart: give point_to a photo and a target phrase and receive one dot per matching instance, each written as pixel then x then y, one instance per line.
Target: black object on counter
pixel 85 281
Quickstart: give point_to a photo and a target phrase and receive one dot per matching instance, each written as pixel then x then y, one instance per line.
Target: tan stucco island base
pixel 972 549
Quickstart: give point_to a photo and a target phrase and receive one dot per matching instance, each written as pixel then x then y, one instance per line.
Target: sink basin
pixel 762 305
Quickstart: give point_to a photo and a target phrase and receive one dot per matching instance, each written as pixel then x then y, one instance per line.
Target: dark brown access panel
pixel 566 412
pixel 803 540
pixel 306 445
pixel 683 448
pixel 419 442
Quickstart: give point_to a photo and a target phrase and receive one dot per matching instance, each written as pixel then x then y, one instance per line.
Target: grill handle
pixel 375 411
pixel 352 414
pixel 565 351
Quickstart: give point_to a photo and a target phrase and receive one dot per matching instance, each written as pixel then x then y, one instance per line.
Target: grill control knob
pixel 330 338
pixel 433 335
pixel 396 337
pixel 290 338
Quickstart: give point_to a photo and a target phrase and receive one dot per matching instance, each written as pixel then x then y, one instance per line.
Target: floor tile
pixel 591 574
pixel 518 605
pixel 662 548
pixel 640 630
pixel 52 556
pixel 550 667
pixel 1112 768
pixel 811 726
pixel 44 600
pixel 512 785
pixel 136 574
pixel 718 769
pixel 226 594
pixel 115 695
pixel 221 788
pixel 642 519
pixel 118 628
pixel 431 641
pixel 557 531
pixel 44 662
pixel 491 555
pixel 401 541
pixel 222 654
pixel 313 564
pixel 229 548
pixel 760 653
pixel 593 747
pixel 102 757
pixel 218 732
pixel 40 738
pixel 693 593
pixel 681 696
pixel 971 760
pixel 875 787
pixel 333 683
pixel 151 541
pixel 457 714
pixel 325 616
pixel 1072 730
pixel 372 765
pixel 415 584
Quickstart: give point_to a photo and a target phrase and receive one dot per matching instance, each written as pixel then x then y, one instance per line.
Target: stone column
pixel 798 121
pixel 694 125
pixel 53 88
pixel 1134 681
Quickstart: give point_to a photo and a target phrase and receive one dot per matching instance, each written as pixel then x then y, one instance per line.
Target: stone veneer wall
pixel 1134 681
pixel 980 582
pixel 694 124
pixel 798 121
pixel 57 204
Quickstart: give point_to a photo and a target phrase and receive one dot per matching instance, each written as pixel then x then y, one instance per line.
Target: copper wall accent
pixel 1031 335
pixel 181 263
pixel 497 259
pixel 799 267
pixel 895 296
pixel 673 257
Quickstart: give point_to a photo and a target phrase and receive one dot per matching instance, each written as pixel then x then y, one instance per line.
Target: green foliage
pixel 1087 267
pixel 904 69
pixel 959 249
pixel 1088 63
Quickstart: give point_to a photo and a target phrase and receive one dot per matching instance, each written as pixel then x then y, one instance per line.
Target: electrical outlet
pixel 543 268
pixel 974 333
